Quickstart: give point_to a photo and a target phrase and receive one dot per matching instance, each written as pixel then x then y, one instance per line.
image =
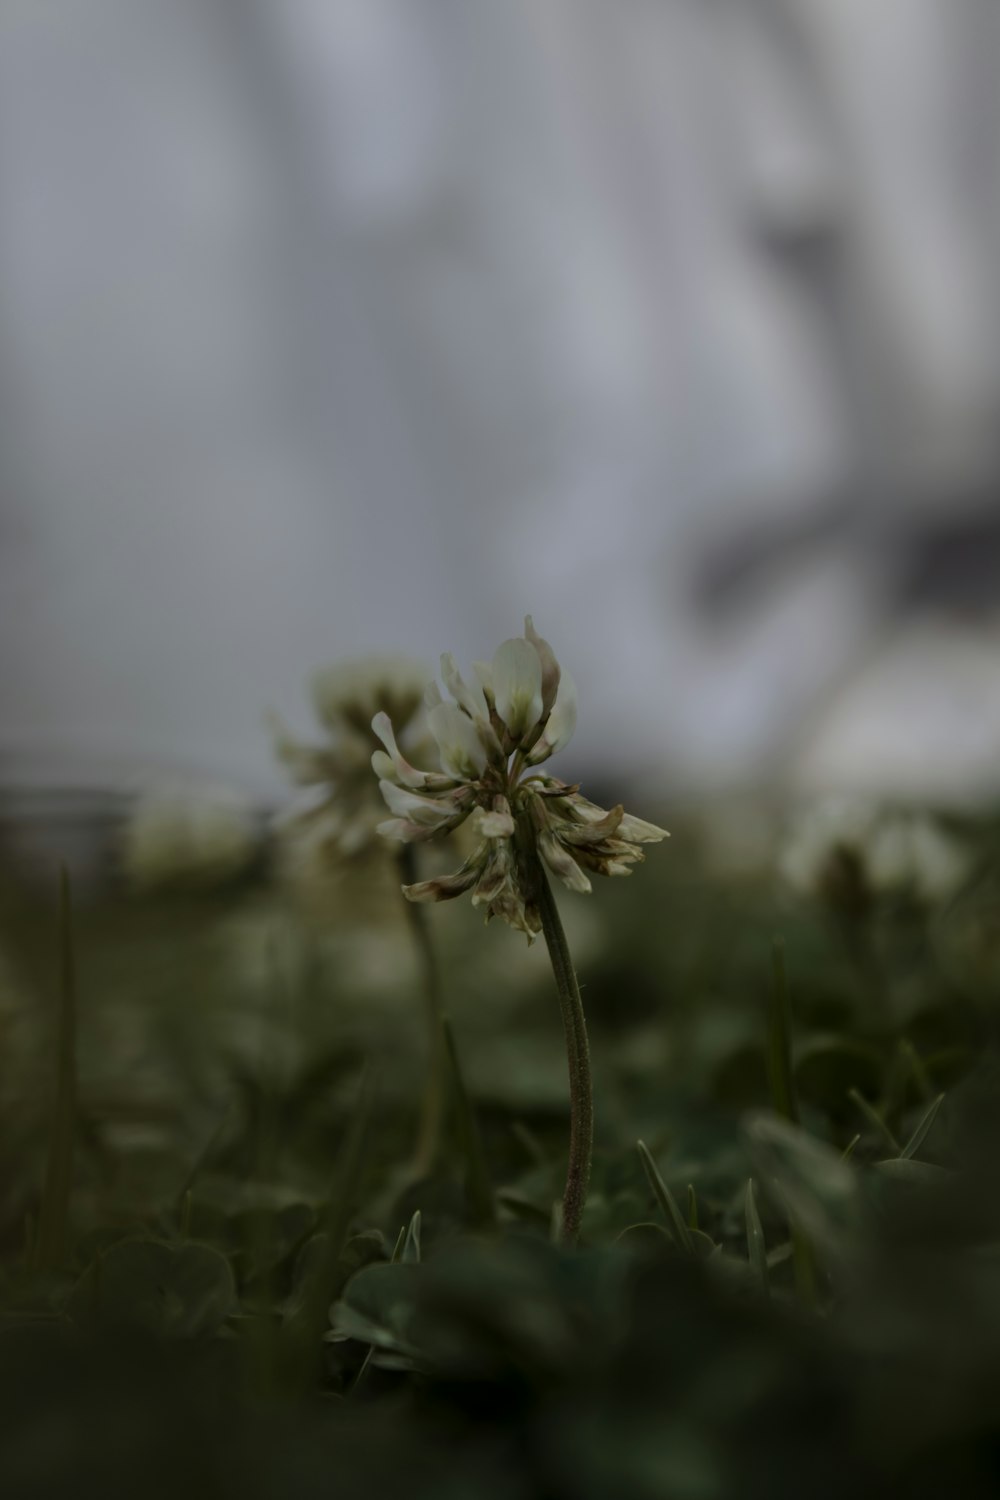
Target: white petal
pixel 638 831
pixel 588 832
pixel 561 722
pixel 498 871
pixel 562 863
pixel 517 684
pixel 423 810
pixel 585 810
pixel 405 831
pixel 495 825
pixel 383 765
pixel 395 828
pixel 550 667
pixel 484 676
pixel 462 751
pixel 407 774
pixel 469 698
pixel 445 887
pixel 432 695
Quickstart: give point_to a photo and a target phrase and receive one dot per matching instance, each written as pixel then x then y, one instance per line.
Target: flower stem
pixel 432 1107
pixel 581 1094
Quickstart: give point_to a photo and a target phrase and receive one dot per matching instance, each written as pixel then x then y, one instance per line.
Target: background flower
pixel 340 810
pixel 848 850
pixel 186 833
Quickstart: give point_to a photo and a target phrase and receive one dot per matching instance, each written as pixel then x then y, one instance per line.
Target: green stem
pixel 581 1094
pixel 432 1107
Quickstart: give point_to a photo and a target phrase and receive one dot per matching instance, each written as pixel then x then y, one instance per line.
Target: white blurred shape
pixel 922 718
pixel 183 832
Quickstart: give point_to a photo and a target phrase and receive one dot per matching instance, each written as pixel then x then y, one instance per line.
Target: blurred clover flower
pixel 344 810
pixel 342 817
pixel 182 833
pixel 849 851
pixel 519 710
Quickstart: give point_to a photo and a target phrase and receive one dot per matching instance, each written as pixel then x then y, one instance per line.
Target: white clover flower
pixel 347 694
pixel 519 710
pixel 186 833
pixel 912 853
pixel 341 810
pixel 825 852
pixel 849 850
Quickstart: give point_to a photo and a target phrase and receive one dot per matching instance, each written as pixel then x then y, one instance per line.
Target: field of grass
pixel 230 1264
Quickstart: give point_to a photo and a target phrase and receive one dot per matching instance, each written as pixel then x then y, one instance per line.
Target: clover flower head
pixel 848 851
pixel 341 809
pixel 348 693
pixel 516 712
pixel 187 833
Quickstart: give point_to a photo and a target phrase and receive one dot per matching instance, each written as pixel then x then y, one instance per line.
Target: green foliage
pixel 173 1291
pixel 54 1207
pixel 221 1272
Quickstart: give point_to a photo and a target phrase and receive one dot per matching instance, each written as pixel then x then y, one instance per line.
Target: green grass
pixel 218 1271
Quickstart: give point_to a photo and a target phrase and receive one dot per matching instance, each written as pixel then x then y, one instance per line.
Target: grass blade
pixel 478 1187
pixel 666 1200
pixel 926 1121
pixel 849 1149
pixel 874 1119
pixel 692 1207
pixel 411 1245
pixel 529 1142
pixel 50 1244
pixel 756 1247
pixel 917 1067
pixel 779 1040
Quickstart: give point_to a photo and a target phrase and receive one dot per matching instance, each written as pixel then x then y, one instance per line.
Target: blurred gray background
pixel 329 326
